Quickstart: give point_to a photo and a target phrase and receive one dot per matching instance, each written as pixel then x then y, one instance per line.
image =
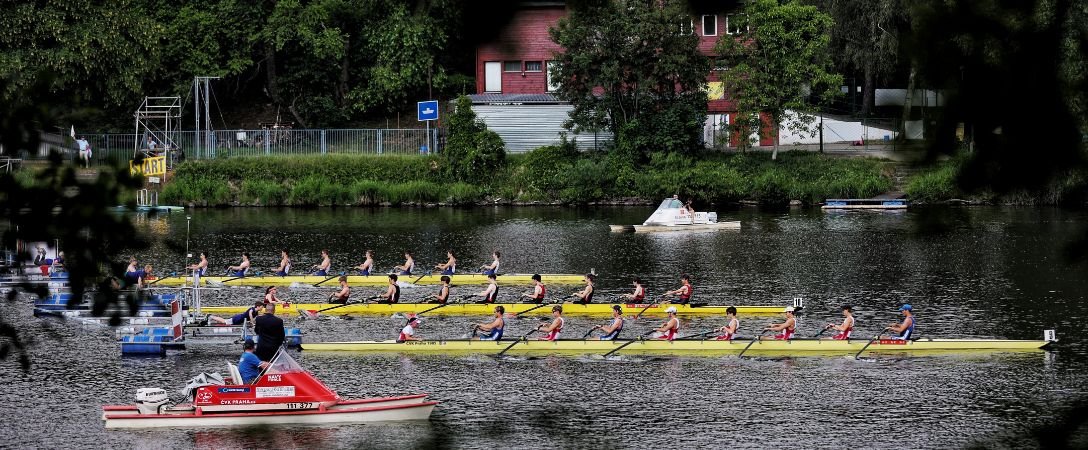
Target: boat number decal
pixel 642 305
pixel 308 405
pixel 424 342
pixel 234 390
pixel 275 391
pixel 274 378
pixel 892 342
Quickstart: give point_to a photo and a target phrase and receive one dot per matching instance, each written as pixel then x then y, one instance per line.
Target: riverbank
pixel 553 175
pixel 940 183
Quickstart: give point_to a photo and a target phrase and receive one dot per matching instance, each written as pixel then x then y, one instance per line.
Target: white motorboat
pixel 672 215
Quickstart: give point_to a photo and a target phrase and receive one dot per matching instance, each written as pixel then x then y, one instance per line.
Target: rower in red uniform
pixel 785 329
pixel 668 330
pixel 491 293
pixel 539 291
pixel 408 333
pixel 847 326
pixel 729 331
pixel 640 292
pixel 585 296
pixel 683 293
pixel 552 330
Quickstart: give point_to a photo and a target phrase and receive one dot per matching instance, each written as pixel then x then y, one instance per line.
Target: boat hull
pixel 371 280
pixel 337 414
pixel 796 347
pixel 481 309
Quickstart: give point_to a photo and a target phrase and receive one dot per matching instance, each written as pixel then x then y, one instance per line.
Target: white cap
pixel 788 309
pixel 671 310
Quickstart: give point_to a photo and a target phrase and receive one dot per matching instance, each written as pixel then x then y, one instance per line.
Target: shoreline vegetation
pixel 549 175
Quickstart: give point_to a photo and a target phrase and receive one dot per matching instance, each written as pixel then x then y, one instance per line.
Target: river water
pixel 968 272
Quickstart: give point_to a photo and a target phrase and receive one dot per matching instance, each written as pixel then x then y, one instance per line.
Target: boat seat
pixel 235 375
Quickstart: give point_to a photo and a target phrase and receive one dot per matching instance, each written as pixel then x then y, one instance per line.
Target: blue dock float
pixel 865 203
pixel 156 341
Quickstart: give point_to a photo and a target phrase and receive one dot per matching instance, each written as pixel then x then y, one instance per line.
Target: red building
pixel 513 71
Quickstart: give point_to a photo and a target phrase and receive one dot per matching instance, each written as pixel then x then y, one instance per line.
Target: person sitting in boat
pixel 241 269
pixel 202 266
pixel 905 329
pixel 683 293
pixel 612 330
pixel 58 263
pixel 640 292
pixel 585 296
pixel 668 330
pixel 132 272
pixel 689 211
pixel 785 329
pixel 450 267
pixel 321 269
pixel 493 268
pixel 270 333
pixel 443 294
pixel 408 267
pixel 285 264
pixel 145 275
pixel 539 291
pixel 729 331
pixel 493 328
pixel 408 333
pixel 238 319
pixel 341 296
pixel 392 293
pixel 249 365
pixel 491 292
pixel 270 297
pixel 847 326
pixel 368 265
pixel 552 330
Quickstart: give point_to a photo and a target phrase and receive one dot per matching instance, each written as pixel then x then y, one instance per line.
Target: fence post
pixel 379 141
pixel 267 149
pixel 324 150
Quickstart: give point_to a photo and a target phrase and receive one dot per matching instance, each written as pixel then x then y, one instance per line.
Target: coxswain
pixel 240 318
pixel 612 330
pixel 321 269
pixel 408 267
pixel 668 330
pixel 539 291
pixel 201 267
pixel 493 328
pixel 491 292
pixel 367 266
pixel 493 268
pixel 847 326
pixel 640 292
pixel 270 297
pixel 729 331
pixel 785 329
pixel 285 264
pixel 905 328
pixel 683 293
pixel 408 333
pixel 443 294
pixel 341 296
pixel 450 267
pixel 585 296
pixel 552 330
pixel 392 293
pixel 241 269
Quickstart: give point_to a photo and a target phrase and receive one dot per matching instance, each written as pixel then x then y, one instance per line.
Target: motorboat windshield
pixel 283 363
pixel 670 203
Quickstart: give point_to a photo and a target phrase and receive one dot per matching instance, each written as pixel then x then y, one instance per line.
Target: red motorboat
pixel 284 393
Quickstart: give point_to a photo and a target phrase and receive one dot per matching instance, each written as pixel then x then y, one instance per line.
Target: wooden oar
pixel 752 342
pixel 632 341
pixel 424 275
pixel 821 332
pixel 444 305
pixel 329 278
pixel 364 302
pixel 648 306
pixel 543 304
pixel 590 331
pixel 858 356
pixel 516 341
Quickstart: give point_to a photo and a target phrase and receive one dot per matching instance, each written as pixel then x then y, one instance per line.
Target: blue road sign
pixel 427 110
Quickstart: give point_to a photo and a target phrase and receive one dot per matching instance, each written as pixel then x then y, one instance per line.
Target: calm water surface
pixel 978 272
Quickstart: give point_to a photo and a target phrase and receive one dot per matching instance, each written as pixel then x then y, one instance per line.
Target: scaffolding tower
pixel 158 124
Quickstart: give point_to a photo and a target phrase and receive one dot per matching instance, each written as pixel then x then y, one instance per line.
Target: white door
pixel 493 76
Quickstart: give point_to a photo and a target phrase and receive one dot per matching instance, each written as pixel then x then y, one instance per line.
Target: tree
pixel 627 68
pixel 778 68
pixel 472 153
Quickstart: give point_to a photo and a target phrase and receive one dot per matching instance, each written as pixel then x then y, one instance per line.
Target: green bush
pixel 936 184
pixel 263 192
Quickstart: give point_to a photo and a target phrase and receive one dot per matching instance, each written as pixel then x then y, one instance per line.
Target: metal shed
pixel 529 121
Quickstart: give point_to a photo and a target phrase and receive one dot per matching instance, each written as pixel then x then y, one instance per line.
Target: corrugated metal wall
pixel 527 127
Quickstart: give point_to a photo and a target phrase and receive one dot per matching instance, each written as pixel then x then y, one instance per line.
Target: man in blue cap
pixel 905 329
pixel 249 366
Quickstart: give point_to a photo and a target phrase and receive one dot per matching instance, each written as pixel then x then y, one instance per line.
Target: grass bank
pixel 550 174
pixel 941 183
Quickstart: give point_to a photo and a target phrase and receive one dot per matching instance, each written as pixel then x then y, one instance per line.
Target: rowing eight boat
pixel 370 280
pixel 795 347
pixel 483 309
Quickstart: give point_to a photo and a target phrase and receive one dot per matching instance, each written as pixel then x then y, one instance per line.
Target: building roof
pixel 490 99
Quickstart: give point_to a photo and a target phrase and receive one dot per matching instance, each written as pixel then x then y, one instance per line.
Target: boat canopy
pixel 670 203
pixel 283 363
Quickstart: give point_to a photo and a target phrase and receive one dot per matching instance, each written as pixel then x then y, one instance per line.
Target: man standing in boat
pixel 612 330
pixel 270 333
pixel 640 292
pixel 341 296
pixel 668 330
pixel 539 291
pixel 392 293
pixel 585 296
pixel 905 328
pixel 785 329
pixel 552 330
pixel 847 326
pixel 683 293
pixel 491 293
pixel 493 328
pixel 729 331
pixel 322 269
pixel 249 365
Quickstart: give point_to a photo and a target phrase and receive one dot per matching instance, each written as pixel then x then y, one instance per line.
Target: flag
pixel 73 131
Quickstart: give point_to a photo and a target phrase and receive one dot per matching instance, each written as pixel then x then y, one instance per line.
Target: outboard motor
pixel 151 400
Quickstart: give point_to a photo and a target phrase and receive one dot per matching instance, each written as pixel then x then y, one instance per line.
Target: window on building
pixel 710 25
pixel 553 82
pixel 533 66
pixel 736 23
pixel 511 66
